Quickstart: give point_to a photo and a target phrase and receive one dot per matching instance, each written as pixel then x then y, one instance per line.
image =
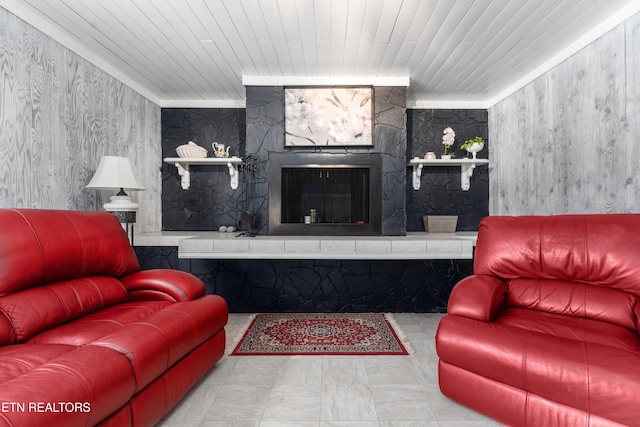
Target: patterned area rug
pixel 320 334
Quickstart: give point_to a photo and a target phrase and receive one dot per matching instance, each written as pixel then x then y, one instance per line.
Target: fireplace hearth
pixel 325 194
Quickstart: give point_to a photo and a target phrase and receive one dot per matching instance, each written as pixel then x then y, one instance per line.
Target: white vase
pixel 446 156
pixel 475 148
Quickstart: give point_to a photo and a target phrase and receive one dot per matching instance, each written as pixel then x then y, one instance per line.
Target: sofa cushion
pixel 158 341
pixel 18 360
pixel 153 335
pixel 34 310
pixel 45 246
pixel 94 326
pixel 90 383
pixel 586 364
pixel 573 298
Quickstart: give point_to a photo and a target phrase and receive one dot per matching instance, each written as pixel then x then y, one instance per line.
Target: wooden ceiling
pixel 196 53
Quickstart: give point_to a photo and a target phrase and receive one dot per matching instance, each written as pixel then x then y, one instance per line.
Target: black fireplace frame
pixel 371 161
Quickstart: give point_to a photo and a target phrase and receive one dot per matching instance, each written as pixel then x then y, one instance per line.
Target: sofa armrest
pixel 478 297
pixel 163 284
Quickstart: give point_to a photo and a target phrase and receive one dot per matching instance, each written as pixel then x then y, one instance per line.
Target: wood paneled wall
pixel 570 141
pixel 58 115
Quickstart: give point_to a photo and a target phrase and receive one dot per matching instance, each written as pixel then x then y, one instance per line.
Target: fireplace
pixel 325 194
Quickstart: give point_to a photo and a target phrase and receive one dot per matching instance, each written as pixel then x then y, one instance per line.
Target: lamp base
pixel 121 204
pixel 125 210
pixel 126 217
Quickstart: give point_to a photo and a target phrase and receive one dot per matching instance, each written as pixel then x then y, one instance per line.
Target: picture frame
pixel 328 116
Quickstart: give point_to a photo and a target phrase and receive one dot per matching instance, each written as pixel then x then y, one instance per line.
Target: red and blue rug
pixel 319 334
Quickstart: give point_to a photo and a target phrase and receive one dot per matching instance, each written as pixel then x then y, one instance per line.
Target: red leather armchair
pixel 545 333
pixel 87 338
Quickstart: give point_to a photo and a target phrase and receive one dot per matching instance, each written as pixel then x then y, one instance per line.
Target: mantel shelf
pixel 183 163
pixel 466 169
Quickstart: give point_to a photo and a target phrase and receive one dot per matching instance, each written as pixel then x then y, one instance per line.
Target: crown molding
pixel 426 104
pixel 323 81
pixel 195 103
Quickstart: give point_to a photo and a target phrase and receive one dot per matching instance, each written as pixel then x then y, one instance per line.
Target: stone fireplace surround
pixel 265 135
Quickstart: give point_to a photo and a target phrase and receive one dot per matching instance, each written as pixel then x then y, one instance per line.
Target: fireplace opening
pixel 325 194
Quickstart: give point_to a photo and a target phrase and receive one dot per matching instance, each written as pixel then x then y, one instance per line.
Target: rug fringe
pixel 400 333
pixel 233 341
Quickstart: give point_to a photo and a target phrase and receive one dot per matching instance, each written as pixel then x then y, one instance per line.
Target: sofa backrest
pixel 574 298
pixel 45 246
pixel 47 261
pixel 600 248
pixel 31 311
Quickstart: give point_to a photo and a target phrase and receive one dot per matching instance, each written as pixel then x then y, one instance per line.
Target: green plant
pixel 469 142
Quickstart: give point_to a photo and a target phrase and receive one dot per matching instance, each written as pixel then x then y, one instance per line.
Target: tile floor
pixel 326 391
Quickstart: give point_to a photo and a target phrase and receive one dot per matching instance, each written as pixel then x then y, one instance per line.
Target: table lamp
pixel 118 173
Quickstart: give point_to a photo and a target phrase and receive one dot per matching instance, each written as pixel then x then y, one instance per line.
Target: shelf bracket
pixel 415 175
pixel 466 172
pixel 233 175
pixel 185 176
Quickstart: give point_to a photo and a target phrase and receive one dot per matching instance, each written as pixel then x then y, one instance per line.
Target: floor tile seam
pixel 322 397
pixel 205 419
pixel 434 411
pixel 287 385
pixel 366 383
pixel 206 410
pixel 264 407
pixel 393 382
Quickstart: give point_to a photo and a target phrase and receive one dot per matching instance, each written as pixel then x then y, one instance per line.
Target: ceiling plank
pixel 277 37
pixel 289 18
pixel 208 63
pixel 307 29
pixel 339 16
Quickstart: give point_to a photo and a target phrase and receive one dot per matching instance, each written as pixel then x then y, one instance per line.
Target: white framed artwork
pixel 333 117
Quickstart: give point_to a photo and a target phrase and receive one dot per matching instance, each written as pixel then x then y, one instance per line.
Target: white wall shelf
pixel 183 163
pixel 466 169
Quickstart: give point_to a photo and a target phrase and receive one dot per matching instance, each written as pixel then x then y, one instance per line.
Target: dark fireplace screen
pixel 327 195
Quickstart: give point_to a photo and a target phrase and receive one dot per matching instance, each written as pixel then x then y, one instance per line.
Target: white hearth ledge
pixel 216 245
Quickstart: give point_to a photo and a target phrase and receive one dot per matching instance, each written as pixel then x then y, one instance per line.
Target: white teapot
pixel 219 150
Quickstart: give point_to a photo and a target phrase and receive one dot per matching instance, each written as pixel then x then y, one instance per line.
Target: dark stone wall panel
pixel 209 202
pixel 421 286
pixel 440 192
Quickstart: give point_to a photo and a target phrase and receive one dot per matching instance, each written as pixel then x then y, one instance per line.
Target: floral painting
pixel 328 116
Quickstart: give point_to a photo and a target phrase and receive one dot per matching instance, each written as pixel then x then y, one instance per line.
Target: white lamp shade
pixel 115 172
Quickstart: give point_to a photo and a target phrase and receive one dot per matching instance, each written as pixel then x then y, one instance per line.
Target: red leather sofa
pixel 545 333
pixel 86 338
